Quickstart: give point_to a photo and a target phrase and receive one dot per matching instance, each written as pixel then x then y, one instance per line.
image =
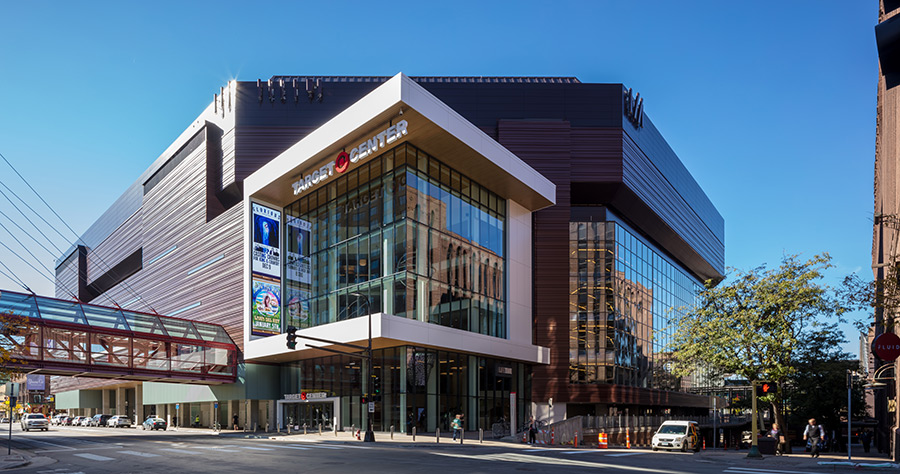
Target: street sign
pixel 216 405
pixel 886 346
pixel 371 407
pixel 177 406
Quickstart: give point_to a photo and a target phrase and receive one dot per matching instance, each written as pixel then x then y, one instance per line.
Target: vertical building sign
pixel 265 312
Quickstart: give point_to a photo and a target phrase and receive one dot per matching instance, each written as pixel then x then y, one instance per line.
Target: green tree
pixel 15 333
pixel 756 324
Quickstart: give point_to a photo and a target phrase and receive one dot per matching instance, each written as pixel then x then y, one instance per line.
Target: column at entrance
pixel 104 396
pixel 120 401
pixel 139 404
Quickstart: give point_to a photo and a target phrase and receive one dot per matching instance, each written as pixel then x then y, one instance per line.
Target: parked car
pixel 85 421
pixel 4 420
pixel 154 423
pixel 35 421
pixel 76 421
pixel 100 420
pixel 673 434
pixel 119 421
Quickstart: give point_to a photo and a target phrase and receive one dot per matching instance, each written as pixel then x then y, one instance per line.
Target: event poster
pixel 266 254
pixel 296 309
pixel 265 313
pixel 298 267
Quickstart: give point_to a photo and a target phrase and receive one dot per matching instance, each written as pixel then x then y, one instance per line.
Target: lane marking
pixel 312 445
pixel 138 453
pixel 179 450
pixel 616 455
pixel 119 446
pixel 258 449
pixel 93 457
pixel 751 470
pixel 288 447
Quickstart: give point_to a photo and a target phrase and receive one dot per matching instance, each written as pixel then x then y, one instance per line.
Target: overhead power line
pixel 78 238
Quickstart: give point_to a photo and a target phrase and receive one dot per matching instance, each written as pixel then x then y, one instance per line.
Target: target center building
pixel 512 246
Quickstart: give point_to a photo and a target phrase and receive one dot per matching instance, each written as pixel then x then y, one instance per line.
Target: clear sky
pixel 770 104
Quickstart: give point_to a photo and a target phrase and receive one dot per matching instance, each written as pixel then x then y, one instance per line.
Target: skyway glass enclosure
pixel 59 337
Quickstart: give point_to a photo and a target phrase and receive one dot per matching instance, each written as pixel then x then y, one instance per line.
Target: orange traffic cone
pixel 627 439
pixel 602 441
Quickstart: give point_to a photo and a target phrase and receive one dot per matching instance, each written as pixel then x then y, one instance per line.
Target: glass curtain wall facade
pixel 624 298
pixel 419 387
pixel 403 234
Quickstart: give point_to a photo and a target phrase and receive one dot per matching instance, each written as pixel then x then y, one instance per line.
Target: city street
pixel 100 450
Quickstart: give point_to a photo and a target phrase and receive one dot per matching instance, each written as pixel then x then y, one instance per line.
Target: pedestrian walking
pixel 234 422
pixel 532 431
pixel 776 433
pixel 813 433
pixel 456 424
pixel 866 439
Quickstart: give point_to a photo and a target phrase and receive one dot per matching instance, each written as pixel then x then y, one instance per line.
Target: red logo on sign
pixel 302 395
pixel 886 346
pixel 342 162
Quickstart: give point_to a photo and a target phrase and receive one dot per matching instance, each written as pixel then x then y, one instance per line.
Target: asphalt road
pixel 64 450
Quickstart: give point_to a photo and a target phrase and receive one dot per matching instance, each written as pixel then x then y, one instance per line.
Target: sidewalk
pixel 14 460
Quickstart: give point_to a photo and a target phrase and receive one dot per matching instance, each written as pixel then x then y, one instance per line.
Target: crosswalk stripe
pixel 750 470
pixel 288 447
pixel 138 453
pixel 179 450
pixel 93 457
pixel 254 447
pixel 311 445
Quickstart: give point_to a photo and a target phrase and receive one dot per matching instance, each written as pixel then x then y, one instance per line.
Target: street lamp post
pixel 370 433
pixel 849 412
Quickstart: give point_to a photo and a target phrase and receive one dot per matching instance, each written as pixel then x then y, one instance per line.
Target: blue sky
pixel 770 104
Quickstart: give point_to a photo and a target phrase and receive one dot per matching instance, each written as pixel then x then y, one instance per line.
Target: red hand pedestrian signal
pixel 765 388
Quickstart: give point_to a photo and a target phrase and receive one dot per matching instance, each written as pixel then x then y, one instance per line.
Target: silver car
pixel 119 422
pixel 35 421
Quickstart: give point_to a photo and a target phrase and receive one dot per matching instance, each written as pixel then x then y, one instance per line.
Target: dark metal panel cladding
pixel 674 196
pixel 546 146
pixel 597 155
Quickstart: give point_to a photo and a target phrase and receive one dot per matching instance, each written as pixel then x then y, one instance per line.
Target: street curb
pixel 14 461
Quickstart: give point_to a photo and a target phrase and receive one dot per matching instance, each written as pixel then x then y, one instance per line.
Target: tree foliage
pixel 760 324
pixel 14 333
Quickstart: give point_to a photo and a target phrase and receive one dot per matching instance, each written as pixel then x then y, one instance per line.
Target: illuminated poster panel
pixel 265 301
pixel 298 250
pixel 265 304
pixel 298 274
pixel 266 242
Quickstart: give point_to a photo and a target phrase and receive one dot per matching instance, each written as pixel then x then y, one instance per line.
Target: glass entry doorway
pixel 296 414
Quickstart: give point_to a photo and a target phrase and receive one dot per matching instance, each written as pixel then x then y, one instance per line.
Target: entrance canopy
pixel 61 337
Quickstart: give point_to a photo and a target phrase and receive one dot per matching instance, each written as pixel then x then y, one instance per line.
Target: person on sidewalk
pixel 234 422
pixel 532 431
pixel 813 433
pixel 777 434
pixel 456 424
pixel 866 439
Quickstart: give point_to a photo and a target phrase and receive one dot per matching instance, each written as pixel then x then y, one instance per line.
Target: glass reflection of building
pixel 624 296
pixel 412 235
pixel 408 236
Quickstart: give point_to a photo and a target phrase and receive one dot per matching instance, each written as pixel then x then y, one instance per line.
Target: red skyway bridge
pixel 64 337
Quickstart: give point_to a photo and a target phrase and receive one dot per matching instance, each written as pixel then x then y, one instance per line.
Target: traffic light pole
pixel 849 412
pixel 754 427
pixel 367 387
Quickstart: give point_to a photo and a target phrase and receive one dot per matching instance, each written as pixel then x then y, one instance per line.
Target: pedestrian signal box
pixel 765 388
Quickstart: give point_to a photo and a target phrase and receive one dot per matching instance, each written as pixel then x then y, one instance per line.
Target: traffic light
pixel 765 388
pixel 363 400
pixel 291 337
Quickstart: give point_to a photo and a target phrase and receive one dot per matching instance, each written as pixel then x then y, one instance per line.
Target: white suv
pixel 35 421
pixel 682 435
